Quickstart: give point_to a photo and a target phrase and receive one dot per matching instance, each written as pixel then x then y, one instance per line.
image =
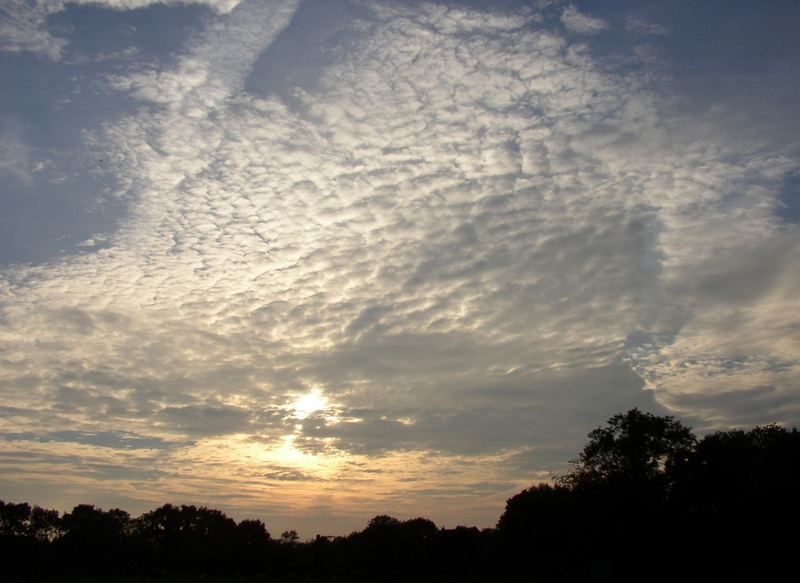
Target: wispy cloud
pixel 641 25
pixel 580 22
pixel 16 162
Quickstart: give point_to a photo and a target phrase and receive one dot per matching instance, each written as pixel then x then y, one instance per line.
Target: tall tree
pixel 633 448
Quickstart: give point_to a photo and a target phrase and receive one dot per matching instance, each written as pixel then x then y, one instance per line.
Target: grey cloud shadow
pixel 13 464
pixel 204 419
pixel 111 439
pixel 505 416
pixel 299 54
pixel 759 405
pixel 287 474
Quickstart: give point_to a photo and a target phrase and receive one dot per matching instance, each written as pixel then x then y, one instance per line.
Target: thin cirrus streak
pixel 421 279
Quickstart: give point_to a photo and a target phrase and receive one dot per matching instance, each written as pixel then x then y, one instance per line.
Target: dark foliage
pixel 95 540
pixel 635 449
pixel 644 500
pixel 188 538
pixel 737 498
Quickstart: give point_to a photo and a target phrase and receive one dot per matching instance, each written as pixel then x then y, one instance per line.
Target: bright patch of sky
pixel 316 261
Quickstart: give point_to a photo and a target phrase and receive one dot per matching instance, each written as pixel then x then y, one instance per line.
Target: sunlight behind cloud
pixel 308 403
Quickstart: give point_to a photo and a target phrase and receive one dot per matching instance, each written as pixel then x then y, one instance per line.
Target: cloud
pixel 23 23
pixel 475 242
pixel 15 155
pixel 580 23
pixel 112 439
pixel 640 24
pixel 23 28
pixel 204 419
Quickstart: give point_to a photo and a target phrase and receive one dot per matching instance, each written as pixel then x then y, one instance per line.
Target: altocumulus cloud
pixel 471 239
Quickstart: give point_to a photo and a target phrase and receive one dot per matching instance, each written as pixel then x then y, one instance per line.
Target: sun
pixel 308 403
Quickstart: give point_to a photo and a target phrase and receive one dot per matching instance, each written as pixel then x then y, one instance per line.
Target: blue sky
pixel 313 261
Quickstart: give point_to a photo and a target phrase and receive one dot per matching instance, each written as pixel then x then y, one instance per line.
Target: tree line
pixel 644 499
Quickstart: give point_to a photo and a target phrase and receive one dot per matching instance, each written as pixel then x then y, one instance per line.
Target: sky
pixel 311 261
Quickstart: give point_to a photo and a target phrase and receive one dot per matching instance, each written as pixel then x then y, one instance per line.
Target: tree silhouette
pixel 596 513
pixel 633 447
pixel 45 525
pixel 88 523
pixel 252 546
pixel 644 500
pixel 94 539
pixel 289 537
pixel 735 496
pixel 252 533
pixel 14 519
pixel 190 538
pixel 552 521
pixel 382 523
pixel 732 470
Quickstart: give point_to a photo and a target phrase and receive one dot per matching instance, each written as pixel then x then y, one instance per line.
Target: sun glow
pixel 288 453
pixel 308 403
